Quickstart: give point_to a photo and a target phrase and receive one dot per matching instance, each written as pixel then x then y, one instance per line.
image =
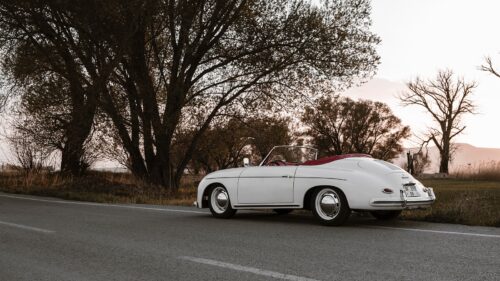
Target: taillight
pixel 387 191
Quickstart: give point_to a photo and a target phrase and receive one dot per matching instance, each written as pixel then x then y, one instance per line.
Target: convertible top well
pixel 329 159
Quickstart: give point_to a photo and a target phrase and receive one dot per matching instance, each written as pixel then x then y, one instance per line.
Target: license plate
pixel 411 191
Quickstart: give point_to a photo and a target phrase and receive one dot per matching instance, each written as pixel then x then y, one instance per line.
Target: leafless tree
pixel 488 67
pixel 447 99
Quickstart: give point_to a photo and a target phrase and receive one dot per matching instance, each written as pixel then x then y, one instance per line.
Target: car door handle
pixel 286 176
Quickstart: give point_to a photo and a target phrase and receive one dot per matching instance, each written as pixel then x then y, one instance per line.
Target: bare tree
pixel 447 99
pixel 488 67
pixel 31 157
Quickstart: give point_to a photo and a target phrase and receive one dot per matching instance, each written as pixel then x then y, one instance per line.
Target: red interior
pixel 329 159
pixel 320 161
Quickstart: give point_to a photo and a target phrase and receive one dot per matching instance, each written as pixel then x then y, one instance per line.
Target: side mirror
pixel 246 162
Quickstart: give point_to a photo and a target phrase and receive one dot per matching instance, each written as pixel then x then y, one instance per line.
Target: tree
pixel 341 125
pixel 267 132
pixel 31 157
pixel 189 62
pixel 60 43
pixel 488 67
pixel 447 99
pixel 229 140
pixel 224 145
pixel 156 66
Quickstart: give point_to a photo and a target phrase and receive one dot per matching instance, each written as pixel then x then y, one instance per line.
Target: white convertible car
pixel 290 177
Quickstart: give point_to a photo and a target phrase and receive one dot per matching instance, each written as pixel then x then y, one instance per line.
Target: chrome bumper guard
pixel 405 202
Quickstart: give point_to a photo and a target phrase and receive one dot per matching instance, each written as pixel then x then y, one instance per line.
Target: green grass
pixel 469 202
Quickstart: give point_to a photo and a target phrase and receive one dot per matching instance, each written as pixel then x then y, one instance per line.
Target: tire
pixel 282 211
pixel 219 203
pixel 386 215
pixel 330 206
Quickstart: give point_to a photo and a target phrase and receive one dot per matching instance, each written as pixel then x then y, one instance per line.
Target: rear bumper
pixel 402 203
pixel 407 202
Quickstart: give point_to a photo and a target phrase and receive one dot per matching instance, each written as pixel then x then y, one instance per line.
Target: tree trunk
pixel 445 157
pixel 72 158
pixel 443 165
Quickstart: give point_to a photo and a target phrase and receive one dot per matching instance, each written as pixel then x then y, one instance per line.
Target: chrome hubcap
pixel 328 204
pixel 219 199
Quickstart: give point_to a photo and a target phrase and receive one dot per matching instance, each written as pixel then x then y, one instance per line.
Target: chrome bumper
pixel 405 201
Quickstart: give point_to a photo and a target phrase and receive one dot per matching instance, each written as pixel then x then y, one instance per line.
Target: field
pixel 462 201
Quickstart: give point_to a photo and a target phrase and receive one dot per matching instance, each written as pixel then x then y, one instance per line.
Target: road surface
pixel 52 239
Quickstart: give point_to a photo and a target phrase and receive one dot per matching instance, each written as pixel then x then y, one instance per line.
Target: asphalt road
pixel 52 239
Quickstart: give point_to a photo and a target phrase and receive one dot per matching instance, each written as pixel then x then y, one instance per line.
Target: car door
pixel 266 185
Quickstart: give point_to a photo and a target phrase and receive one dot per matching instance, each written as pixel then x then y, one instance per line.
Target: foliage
pixel 341 125
pixel 160 68
pixel 56 61
pixel 227 142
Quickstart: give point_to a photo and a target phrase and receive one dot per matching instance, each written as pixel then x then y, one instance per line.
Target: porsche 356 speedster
pixel 291 177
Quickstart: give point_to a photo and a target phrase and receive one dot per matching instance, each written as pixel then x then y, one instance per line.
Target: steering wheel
pixel 277 163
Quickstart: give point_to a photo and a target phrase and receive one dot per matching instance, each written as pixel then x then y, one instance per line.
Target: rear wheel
pixel 330 206
pixel 219 203
pixel 282 211
pixel 386 215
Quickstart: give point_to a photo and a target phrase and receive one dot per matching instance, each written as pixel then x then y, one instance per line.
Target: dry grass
pixel 482 171
pixel 468 202
pixel 103 187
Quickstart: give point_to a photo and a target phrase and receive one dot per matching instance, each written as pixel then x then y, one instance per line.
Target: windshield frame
pixel 289 146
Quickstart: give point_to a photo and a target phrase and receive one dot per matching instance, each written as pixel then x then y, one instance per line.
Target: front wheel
pixel 219 203
pixel 330 206
pixel 386 215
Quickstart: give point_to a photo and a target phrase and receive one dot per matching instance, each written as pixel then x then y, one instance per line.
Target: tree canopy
pixel 341 125
pixel 157 68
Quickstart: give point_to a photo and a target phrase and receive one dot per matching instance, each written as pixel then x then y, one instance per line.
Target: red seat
pixel 329 159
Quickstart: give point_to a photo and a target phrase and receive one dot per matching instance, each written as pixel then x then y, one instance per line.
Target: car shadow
pixel 304 217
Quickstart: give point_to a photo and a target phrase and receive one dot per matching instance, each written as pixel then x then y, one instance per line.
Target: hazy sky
pixel 419 37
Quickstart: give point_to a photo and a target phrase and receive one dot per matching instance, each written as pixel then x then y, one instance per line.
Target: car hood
pixel 227 173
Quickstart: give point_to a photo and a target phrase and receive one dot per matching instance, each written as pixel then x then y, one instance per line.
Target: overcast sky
pixel 419 37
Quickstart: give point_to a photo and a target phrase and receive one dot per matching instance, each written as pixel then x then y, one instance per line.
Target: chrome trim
pixel 265 206
pixel 401 203
pixel 276 177
pixel 219 200
pixel 327 204
pixel 403 198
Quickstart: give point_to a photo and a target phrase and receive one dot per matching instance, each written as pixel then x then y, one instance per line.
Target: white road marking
pixel 254 270
pixel 25 227
pixel 101 204
pixel 438 231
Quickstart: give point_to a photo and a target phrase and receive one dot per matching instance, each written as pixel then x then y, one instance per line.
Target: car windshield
pixel 289 155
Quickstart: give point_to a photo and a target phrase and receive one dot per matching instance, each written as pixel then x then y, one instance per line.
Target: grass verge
pixel 461 201
pixel 102 187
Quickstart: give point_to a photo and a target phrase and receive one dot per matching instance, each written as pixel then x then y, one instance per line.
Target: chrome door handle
pixel 286 176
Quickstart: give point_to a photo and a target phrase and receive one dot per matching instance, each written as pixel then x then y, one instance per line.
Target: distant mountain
pixel 465 154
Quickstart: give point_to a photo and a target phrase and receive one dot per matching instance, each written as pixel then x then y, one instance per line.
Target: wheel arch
pixel 206 193
pixel 307 196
